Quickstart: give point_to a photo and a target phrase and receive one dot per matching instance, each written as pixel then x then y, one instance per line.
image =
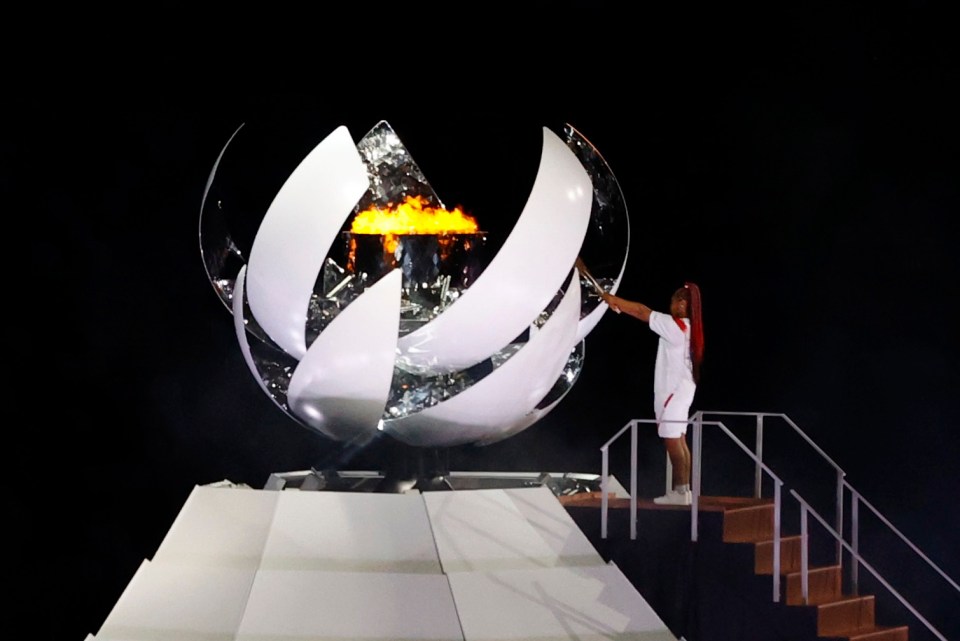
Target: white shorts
pixel 675 408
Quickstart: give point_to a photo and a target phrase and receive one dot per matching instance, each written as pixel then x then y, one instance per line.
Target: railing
pixel 698 424
pixel 855 498
pixel 855 501
pixel 804 569
pixel 805 509
pixel 840 474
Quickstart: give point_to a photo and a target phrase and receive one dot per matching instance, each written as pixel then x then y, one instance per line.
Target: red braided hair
pixel 696 331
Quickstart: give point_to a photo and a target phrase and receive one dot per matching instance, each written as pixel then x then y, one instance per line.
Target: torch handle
pixel 586 273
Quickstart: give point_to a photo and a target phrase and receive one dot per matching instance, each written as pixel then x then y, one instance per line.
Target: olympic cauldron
pixel 355 321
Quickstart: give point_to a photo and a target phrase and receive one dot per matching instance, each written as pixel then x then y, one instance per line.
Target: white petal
pixel 507 395
pixel 522 278
pixel 342 384
pixel 300 226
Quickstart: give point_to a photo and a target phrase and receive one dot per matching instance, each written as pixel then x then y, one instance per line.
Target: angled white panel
pixel 522 278
pixel 177 602
pixel 351 531
pixel 296 234
pixel 554 525
pixel 505 396
pixel 225 527
pixel 313 605
pixel 484 530
pixel 342 384
pixel 586 603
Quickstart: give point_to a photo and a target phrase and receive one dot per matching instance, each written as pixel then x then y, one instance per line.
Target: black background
pixel 800 165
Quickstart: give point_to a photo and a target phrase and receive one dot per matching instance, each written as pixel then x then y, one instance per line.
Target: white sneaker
pixel 672 497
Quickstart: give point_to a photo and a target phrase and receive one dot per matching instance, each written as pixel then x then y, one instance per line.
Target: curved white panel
pixel 524 422
pixel 342 384
pixel 520 425
pixel 507 395
pixel 296 234
pixel 522 278
pixel 240 327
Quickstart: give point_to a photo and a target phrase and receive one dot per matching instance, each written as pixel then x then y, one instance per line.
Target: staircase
pixel 838 615
pixel 809 582
pixel 735 532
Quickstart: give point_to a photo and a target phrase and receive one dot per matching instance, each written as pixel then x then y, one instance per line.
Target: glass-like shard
pixel 274 366
pixel 393 173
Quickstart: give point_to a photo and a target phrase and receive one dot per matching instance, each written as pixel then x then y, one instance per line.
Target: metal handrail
pixel 759 449
pixel 605 474
pixel 852 547
pixel 856 499
pixel 789 422
pixel 805 508
pixel 698 424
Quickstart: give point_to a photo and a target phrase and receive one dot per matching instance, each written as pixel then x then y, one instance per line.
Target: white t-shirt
pixel 673 373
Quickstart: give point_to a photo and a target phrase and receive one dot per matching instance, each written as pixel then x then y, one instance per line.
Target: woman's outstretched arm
pixel 635 309
pixel 617 304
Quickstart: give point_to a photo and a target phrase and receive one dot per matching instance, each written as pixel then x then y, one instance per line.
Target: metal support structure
pixel 604 491
pixel 855 539
pixel 777 485
pixel 695 477
pixel 839 513
pixel 633 480
pixel 668 481
pixel 804 557
pixel 758 468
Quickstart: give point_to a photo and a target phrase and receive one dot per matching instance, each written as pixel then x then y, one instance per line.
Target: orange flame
pixel 413 216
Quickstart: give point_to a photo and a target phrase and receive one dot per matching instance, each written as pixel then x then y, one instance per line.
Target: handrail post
pixel 839 525
pixel 695 481
pixel 758 474
pixel 668 481
pixel 855 540
pixel 633 480
pixel 776 540
pixel 604 489
pixel 836 535
pixel 804 557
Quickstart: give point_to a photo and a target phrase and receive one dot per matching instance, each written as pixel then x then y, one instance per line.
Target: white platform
pixel 351 531
pixel 179 602
pixel 349 605
pixel 220 526
pixel 585 603
pixel 506 529
pixel 480 565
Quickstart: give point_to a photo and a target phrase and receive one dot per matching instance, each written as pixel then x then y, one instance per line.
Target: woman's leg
pixel 679 455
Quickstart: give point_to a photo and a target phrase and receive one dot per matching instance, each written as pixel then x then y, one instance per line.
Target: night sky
pixel 800 167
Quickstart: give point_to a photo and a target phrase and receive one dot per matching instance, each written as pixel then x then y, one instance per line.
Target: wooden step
pixel 882 633
pixel 749 524
pixel 847 616
pixel 823 586
pixel 789 556
pixel 586 499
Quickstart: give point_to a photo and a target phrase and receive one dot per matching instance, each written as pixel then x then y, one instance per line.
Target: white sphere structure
pixel 433 350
